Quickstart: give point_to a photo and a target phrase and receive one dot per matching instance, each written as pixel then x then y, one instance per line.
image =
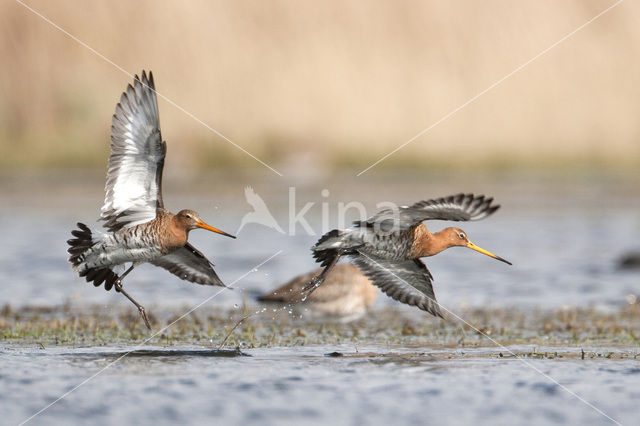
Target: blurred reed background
pixel 330 84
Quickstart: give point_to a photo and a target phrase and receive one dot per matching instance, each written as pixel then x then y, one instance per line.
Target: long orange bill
pixel 203 225
pixel 488 253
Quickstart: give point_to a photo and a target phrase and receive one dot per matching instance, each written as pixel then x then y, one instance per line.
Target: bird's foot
pixel 311 286
pixel 143 313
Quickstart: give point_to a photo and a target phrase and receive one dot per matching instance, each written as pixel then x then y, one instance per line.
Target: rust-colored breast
pixel 172 233
pixel 421 239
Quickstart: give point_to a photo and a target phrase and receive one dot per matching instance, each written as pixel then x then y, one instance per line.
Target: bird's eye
pixel 461 235
pixel 188 216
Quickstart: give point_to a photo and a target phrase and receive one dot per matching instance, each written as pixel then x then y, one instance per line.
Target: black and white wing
pixel 407 281
pixel 134 175
pixel 461 207
pixel 189 264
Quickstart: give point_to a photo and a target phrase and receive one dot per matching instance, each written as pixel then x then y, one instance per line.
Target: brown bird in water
pixel 140 229
pixel 345 295
pixel 388 246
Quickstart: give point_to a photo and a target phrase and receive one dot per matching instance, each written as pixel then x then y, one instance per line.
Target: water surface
pixel 564 240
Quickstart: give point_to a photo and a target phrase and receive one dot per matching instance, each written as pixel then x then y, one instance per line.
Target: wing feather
pixel 460 207
pixel 188 263
pixel 407 281
pixel 133 192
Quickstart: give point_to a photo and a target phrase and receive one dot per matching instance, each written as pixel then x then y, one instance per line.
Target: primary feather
pixel 460 207
pixel 133 192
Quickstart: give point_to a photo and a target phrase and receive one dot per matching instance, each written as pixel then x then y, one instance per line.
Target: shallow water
pixel 564 240
pixel 195 385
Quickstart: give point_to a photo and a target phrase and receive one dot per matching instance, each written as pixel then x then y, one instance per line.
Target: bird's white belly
pixel 113 250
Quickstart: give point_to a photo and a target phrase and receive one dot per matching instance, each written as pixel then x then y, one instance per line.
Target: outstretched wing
pixel 407 281
pixel 134 175
pixel 188 263
pixel 461 207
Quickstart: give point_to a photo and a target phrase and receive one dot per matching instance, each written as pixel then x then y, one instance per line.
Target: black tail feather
pixel 325 257
pixel 331 234
pixel 78 246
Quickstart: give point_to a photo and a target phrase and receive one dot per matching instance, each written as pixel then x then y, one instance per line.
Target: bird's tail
pixel 327 252
pixel 79 246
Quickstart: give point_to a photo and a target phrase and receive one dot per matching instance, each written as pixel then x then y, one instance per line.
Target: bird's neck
pixel 427 244
pixel 177 235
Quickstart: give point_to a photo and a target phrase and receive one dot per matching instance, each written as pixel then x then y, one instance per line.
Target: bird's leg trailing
pixel 121 277
pixel 319 279
pixel 139 306
pixel 119 289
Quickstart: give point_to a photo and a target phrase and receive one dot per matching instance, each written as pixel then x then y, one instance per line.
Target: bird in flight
pixel 139 228
pixel 388 246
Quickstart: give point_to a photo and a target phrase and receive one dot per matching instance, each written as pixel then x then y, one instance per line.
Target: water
pixel 563 239
pixel 192 385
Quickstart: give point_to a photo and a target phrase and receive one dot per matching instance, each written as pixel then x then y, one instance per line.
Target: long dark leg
pixel 119 289
pixel 319 279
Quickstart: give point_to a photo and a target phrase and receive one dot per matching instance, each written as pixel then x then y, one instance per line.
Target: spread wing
pixel 188 263
pixel 407 281
pixel 134 175
pixel 461 207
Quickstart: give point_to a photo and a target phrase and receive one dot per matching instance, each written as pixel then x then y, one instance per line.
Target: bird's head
pixel 457 237
pixel 191 220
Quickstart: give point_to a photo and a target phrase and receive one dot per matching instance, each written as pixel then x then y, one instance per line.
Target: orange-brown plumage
pixel 426 244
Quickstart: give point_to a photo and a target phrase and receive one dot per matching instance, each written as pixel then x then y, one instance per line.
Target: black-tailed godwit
pixel 139 228
pixel 388 246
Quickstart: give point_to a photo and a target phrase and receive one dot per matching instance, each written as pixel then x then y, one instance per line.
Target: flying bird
pixel 139 228
pixel 388 246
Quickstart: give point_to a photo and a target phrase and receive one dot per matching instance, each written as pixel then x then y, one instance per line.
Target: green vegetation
pixel 248 328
